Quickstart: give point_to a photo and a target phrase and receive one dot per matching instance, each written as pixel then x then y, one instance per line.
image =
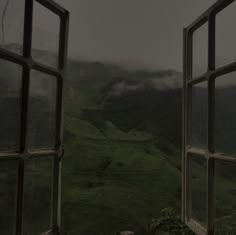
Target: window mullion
pixel 62 62
pixel 210 127
pixel 24 112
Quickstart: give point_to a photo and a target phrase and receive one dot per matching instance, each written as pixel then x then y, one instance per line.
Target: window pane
pixel 226 36
pixel 10 88
pixel 11 36
pixel 37 196
pixel 199 172
pixel 42 111
pixel 225 203
pixel 200 51
pixel 225 126
pixel 8 178
pixel 199 115
pixel 45 39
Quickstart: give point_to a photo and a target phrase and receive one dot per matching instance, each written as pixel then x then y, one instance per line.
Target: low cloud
pixel 171 81
pixel 167 82
pixel 124 87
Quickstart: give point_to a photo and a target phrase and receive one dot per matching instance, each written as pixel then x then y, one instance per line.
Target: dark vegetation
pixel 122 166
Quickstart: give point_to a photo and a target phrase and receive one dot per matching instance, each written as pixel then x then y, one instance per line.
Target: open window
pixel 31 124
pixel 209 131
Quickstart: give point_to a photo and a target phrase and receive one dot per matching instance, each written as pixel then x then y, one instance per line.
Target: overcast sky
pixel 134 33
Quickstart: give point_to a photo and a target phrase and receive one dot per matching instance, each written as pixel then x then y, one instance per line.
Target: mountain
pixel 122 162
pixel 128 130
pixel 119 148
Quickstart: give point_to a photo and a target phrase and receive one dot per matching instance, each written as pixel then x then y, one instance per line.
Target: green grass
pixel 113 180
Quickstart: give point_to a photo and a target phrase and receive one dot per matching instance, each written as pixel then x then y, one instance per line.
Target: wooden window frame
pixel 209 18
pixel 28 64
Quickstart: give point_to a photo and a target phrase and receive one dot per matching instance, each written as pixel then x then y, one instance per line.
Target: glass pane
pixel 226 36
pixel 199 115
pixel 200 51
pixel 225 202
pixel 12 25
pixel 45 39
pixel 37 196
pixel 8 178
pixel 225 126
pixel 42 111
pixel 10 93
pixel 199 186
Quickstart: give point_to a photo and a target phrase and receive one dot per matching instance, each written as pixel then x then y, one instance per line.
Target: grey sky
pixel 134 33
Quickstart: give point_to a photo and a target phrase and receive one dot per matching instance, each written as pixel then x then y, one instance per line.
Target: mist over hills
pixel 142 100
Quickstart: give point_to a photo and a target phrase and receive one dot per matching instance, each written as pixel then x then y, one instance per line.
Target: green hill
pixel 118 152
pixel 122 162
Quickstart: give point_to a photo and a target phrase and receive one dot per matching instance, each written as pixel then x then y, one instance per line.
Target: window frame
pixel 208 17
pixel 28 63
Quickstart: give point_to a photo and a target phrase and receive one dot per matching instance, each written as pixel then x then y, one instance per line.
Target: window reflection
pixel 200 51
pixel 37 196
pixel 11 36
pixel 199 187
pixel 199 115
pixel 225 126
pixel 225 204
pixel 10 103
pixel 42 111
pixel 8 186
pixel 45 37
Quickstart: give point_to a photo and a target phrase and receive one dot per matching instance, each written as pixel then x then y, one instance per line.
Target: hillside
pixel 116 142
pixel 125 132
pixel 122 162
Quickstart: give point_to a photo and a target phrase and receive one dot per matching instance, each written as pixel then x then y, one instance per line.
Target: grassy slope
pixel 113 179
pixel 122 164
